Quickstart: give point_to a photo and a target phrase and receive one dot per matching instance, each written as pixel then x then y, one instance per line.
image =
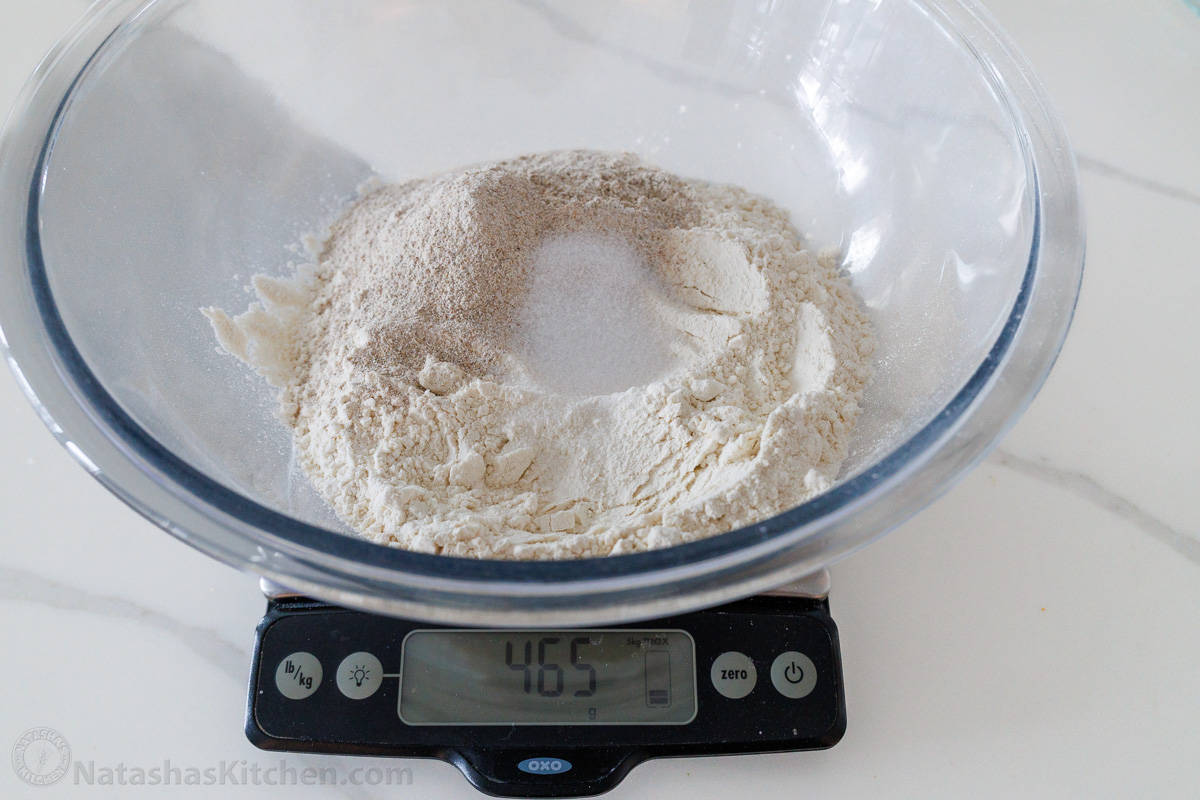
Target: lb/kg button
pixel 298 675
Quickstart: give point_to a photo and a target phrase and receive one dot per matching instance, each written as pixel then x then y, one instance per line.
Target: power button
pixel 794 674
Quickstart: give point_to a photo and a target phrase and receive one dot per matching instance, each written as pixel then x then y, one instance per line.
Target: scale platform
pixel 550 713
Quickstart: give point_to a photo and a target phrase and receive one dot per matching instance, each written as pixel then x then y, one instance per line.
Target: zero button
pixel 733 675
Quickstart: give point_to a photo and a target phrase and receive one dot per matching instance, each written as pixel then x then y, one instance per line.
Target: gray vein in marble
pixel 1103 168
pixel 22 586
pixel 1088 488
pixel 570 29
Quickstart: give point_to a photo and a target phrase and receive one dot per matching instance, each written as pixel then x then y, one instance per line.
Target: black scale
pixel 549 713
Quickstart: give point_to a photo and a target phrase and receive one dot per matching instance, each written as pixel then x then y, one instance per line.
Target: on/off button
pixel 794 674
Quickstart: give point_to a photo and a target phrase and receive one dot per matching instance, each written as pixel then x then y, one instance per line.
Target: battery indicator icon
pixel 658 678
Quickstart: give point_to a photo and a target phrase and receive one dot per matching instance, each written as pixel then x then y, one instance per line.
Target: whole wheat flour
pixel 561 355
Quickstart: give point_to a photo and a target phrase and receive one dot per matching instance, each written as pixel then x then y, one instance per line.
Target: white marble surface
pixel 1036 632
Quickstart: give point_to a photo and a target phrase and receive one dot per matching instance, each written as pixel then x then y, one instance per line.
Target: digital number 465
pixel 550 675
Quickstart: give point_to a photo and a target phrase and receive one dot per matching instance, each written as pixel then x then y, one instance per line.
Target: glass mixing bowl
pixel 165 151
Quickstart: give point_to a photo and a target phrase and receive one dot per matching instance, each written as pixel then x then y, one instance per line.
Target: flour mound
pixel 561 355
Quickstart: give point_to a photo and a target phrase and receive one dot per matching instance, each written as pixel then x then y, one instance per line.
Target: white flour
pixel 562 355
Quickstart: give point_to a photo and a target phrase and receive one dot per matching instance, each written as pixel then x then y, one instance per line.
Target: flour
pixel 562 355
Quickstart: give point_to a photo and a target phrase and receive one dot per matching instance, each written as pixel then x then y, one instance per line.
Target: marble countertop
pixel 1036 632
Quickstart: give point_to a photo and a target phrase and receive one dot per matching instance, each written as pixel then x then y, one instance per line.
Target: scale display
pixel 570 677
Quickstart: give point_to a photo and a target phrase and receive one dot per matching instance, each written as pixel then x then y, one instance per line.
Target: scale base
pixel 768 678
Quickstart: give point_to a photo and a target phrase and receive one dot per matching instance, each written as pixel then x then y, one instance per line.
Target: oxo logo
pixel 544 766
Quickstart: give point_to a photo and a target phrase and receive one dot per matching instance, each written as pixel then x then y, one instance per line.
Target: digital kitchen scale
pixel 550 713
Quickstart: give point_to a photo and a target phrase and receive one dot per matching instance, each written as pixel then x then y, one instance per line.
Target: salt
pixel 593 320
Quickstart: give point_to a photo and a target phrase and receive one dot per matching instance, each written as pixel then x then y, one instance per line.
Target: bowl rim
pixel 356 572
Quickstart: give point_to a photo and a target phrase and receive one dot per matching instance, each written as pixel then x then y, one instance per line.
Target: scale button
pixel 794 674
pixel 359 675
pixel 298 675
pixel 733 674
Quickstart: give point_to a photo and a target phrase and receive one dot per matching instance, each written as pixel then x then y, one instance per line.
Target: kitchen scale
pixel 550 712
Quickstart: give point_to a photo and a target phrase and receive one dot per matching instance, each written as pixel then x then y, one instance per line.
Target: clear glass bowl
pixel 165 151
